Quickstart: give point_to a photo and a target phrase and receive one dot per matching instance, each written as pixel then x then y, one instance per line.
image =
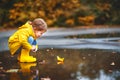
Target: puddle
pixel 115 40
pixel 78 64
pixel 94 35
pixel 92 54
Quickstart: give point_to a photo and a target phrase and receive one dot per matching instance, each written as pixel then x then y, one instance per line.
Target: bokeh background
pixel 60 13
pixel 86 33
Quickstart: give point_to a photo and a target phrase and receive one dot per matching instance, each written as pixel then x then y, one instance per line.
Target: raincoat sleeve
pixel 23 38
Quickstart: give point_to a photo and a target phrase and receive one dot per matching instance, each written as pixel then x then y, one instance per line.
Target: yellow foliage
pixel 49 22
pixel 59 12
pixel 70 21
pixel 32 14
pixel 41 13
pixel 12 10
pixel 19 4
pixel 102 6
pixel 75 1
pixel 49 10
pixel 67 14
pixel 52 11
pixel 13 13
pixel 87 19
pixel 22 16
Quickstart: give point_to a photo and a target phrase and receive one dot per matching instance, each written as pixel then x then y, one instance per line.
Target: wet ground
pixel 89 54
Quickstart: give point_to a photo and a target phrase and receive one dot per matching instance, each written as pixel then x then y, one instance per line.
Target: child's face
pixel 38 33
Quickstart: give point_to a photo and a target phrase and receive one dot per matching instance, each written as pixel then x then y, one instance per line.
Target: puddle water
pixel 94 35
pixel 78 64
pixel 67 55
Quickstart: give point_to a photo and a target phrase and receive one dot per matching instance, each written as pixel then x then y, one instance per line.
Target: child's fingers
pixel 35 48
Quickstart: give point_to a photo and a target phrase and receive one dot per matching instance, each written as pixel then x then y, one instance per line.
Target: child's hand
pixel 34 48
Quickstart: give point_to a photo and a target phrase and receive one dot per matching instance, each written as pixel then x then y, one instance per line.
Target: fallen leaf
pixel 113 63
pixel 60 59
pixel 12 70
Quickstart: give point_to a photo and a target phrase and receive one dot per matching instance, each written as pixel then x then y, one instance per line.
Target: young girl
pixel 25 37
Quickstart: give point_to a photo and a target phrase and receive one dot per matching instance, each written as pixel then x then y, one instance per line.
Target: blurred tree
pixel 59 12
pixel 115 11
pixel 50 10
pixel 5 5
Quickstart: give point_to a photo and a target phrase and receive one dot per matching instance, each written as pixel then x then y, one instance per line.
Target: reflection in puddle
pixel 25 67
pixel 12 70
pixel 79 64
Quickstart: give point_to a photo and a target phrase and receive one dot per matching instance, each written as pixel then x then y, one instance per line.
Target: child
pixel 25 37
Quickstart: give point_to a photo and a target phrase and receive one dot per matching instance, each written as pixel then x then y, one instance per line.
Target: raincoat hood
pixel 29 28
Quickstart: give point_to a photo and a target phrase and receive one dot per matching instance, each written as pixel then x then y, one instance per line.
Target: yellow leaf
pixel 70 21
pixel 60 59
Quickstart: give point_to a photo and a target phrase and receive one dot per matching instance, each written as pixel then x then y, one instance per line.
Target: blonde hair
pixel 40 24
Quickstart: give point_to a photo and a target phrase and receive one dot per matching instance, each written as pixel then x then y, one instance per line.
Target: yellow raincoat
pixel 20 38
